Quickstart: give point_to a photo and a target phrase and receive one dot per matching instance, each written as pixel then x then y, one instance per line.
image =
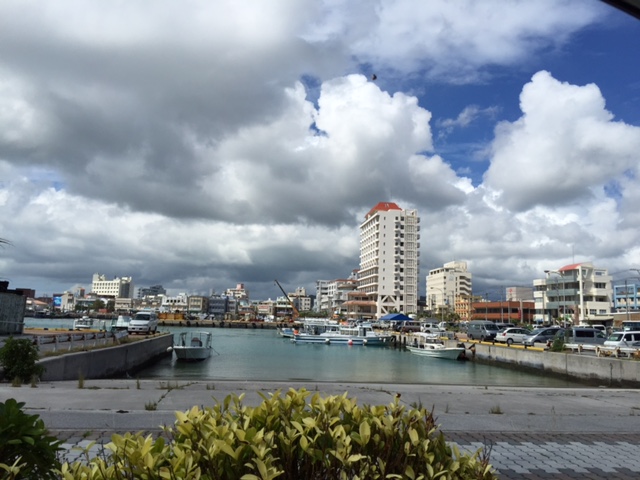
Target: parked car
pixel 407 326
pixel 592 336
pixel 481 330
pixel 626 339
pixel 541 335
pixel 428 327
pixel 512 335
pixel 143 322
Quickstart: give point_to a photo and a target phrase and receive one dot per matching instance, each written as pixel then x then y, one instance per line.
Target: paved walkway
pixel 530 433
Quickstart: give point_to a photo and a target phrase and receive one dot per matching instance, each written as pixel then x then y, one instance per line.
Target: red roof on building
pixel 568 268
pixel 383 207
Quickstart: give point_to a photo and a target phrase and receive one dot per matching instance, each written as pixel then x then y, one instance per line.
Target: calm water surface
pixel 260 354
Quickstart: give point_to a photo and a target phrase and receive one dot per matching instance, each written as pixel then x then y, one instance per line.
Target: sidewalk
pixel 533 433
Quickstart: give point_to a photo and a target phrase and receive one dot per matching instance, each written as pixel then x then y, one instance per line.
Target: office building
pixel 449 289
pixel 579 294
pixel 116 288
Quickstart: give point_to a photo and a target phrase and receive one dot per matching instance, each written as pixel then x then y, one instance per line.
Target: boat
pixel 432 346
pixel 193 346
pixel 84 323
pixel 121 323
pixel 354 334
pixel 286 332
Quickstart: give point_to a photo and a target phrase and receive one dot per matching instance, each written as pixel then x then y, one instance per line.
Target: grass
pixel 151 406
pixel 496 410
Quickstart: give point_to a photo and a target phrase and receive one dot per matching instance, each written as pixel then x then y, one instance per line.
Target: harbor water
pixel 261 354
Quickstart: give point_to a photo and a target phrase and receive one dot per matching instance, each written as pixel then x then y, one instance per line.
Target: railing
pixel 69 341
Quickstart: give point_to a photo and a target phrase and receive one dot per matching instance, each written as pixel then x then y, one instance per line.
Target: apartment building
pixel 449 288
pixel 579 293
pixel 116 288
pixel 389 258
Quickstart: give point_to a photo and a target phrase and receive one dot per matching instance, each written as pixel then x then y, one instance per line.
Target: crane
pixel 296 313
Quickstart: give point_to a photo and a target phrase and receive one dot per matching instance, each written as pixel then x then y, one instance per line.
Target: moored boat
pixel 193 346
pixel 121 323
pixel 361 334
pixel 430 345
pixel 84 323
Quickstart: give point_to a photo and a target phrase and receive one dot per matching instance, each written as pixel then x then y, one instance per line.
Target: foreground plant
pixel 26 448
pixel 290 436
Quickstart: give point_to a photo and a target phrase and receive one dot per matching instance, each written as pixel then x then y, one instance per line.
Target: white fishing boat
pixel 121 323
pixel 84 323
pixel 362 334
pixel 286 332
pixel 429 345
pixel 193 346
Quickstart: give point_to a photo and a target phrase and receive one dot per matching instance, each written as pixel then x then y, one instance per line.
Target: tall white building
pixel 579 293
pixel 389 258
pixel 117 288
pixel 449 287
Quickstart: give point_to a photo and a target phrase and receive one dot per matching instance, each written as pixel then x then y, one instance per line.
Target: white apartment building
pixel 389 258
pixel 331 294
pixel 449 288
pixel 238 293
pixel 322 296
pixel 117 288
pixel 579 293
pixel 179 303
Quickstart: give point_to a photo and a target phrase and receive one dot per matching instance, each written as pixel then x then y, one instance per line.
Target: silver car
pixel 512 335
pixel 541 335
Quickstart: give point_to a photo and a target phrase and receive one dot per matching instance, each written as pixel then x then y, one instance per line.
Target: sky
pixel 201 144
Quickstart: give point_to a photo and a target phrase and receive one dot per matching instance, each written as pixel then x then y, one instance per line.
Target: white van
pixel 143 322
pixel 626 339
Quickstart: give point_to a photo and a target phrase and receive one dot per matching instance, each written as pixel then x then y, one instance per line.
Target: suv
pixel 431 328
pixel 542 335
pixel 143 322
pixel 630 339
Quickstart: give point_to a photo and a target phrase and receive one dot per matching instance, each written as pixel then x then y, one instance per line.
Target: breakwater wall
pixel 109 362
pixel 607 371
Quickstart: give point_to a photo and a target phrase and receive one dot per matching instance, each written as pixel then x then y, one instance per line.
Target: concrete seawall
pixel 609 371
pixel 107 362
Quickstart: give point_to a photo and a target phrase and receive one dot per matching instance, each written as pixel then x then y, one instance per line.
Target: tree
pixel 18 358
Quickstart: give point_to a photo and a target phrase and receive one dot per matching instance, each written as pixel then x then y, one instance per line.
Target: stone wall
pixel 109 362
pixel 607 371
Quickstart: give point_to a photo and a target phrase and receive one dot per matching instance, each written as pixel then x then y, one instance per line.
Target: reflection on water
pixel 257 354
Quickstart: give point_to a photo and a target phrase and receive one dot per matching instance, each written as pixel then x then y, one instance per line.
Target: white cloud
pixel 202 144
pixel 564 148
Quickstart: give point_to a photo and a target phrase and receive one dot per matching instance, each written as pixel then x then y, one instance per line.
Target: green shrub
pixel 289 436
pixel 558 344
pixel 19 359
pixel 25 444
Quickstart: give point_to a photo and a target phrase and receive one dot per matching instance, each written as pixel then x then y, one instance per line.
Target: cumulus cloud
pixel 202 144
pixel 565 146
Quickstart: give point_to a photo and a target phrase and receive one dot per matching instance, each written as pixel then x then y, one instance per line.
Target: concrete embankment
pixel 108 362
pixel 609 371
